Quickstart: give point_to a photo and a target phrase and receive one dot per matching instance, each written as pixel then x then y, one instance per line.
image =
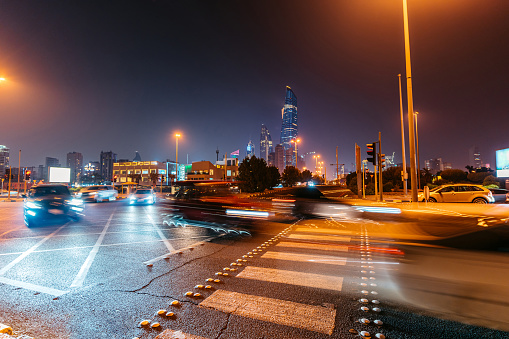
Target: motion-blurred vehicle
pixel 49 201
pixel 98 193
pixel 501 195
pixel 143 196
pixel 476 194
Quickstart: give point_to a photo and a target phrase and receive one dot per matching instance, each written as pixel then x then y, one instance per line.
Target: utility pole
pixel 19 171
pixel 358 168
pixel 337 166
pixel 380 166
pixel 404 174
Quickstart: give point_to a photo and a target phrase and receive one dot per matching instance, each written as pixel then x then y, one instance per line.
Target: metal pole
pixel 380 167
pixel 176 157
pixel 376 185
pixel 337 166
pixel 413 174
pixel 10 175
pixel 363 184
pixel 19 171
pixel 404 173
pixel 418 159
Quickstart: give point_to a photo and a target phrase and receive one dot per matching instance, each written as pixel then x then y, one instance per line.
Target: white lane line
pixel 317 259
pixel 282 312
pixel 319 237
pixel 82 274
pixel 167 255
pixel 326 282
pixel 15 229
pixel 313 246
pixel 321 230
pixel 161 235
pixel 30 250
pixel 32 287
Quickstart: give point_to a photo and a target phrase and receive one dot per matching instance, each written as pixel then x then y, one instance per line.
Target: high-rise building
pixel 250 149
pixel 289 129
pixel 137 157
pixel 474 157
pixel 75 163
pixel 279 157
pixel 4 159
pixel 434 165
pixel 107 160
pixel 265 143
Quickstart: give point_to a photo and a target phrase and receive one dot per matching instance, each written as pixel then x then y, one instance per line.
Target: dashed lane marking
pixel 160 233
pixel 282 312
pixel 319 237
pixel 317 259
pixel 322 231
pixel 326 282
pixel 32 287
pixel 170 334
pixel 313 246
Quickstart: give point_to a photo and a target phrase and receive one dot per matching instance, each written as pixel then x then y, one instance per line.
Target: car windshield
pixel 48 190
pixel 436 188
pixel 142 192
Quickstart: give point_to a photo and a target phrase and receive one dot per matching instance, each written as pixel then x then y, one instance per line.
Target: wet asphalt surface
pixel 90 279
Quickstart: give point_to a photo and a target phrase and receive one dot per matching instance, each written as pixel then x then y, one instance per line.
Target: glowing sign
pixel 502 157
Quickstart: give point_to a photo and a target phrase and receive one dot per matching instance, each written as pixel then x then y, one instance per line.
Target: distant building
pixel 434 165
pixel 474 157
pixel 289 157
pixel 137 157
pixel 231 169
pixel 250 149
pixel 4 159
pixel 205 170
pixel 265 143
pixel 289 130
pixel 106 160
pixel 50 162
pixel 279 157
pixel 75 163
pixel 142 170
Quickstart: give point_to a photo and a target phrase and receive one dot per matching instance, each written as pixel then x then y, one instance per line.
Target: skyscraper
pixel 250 149
pixel 279 157
pixel 75 163
pixel 265 143
pixel 107 160
pixel 4 159
pixel 289 129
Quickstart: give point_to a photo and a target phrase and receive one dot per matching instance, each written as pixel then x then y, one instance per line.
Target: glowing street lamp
pixel 177 136
pixel 296 142
pixel 316 161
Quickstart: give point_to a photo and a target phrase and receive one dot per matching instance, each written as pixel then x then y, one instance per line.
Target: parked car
pixel 476 194
pixel 501 195
pixel 50 201
pixel 98 193
pixel 143 196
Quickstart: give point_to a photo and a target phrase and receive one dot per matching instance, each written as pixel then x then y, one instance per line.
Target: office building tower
pixel 265 143
pixel 250 149
pixel 289 129
pixel 75 163
pixel 474 157
pixel 279 157
pixel 137 157
pixel 106 163
pixel 4 159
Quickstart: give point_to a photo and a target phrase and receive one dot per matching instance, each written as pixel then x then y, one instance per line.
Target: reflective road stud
pixel 378 322
pixel 189 294
pixel 155 325
pixel 144 323
pixel 170 314
pixel 175 303
pixel 161 312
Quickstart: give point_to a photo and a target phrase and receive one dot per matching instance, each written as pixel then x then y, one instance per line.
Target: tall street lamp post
pixel 403 156
pixel 418 159
pixel 316 162
pixel 177 136
pixel 296 142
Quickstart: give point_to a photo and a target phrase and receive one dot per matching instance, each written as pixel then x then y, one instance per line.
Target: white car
pixel 98 193
pixel 143 196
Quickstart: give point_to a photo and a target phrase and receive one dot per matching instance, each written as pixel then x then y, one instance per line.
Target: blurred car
pixel 501 195
pixel 143 196
pixel 98 193
pixel 47 201
pixel 476 194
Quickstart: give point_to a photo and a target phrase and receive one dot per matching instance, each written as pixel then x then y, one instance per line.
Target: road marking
pixel 319 259
pixel 30 250
pixel 321 230
pixel 32 287
pixel 326 282
pixel 170 334
pixel 282 312
pixel 313 246
pixel 15 229
pixel 161 235
pixel 80 278
pixel 319 237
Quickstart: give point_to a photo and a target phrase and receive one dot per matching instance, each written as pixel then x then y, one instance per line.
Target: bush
pixel 490 180
pixel 454 175
pixel 388 186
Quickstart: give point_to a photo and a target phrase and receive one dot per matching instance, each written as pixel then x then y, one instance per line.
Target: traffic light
pixel 372 153
pixel 7 173
pixel 382 160
pixel 114 178
pixel 27 175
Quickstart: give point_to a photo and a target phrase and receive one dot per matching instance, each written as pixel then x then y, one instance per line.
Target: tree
pixel 134 177
pixel 490 180
pixel 154 177
pixel 291 175
pixel 318 180
pixel 274 177
pixel 254 175
pixel 306 175
pixel 454 175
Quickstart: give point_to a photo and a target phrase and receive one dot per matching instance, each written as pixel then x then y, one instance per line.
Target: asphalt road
pixel 101 276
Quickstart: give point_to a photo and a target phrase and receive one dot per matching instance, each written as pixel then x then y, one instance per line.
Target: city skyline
pixel 214 72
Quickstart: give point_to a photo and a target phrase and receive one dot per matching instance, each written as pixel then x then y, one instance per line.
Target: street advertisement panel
pixel 59 174
pixel 503 163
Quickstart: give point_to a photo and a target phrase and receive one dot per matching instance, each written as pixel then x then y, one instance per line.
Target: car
pixel 476 194
pixel 143 196
pixel 98 193
pixel 501 195
pixel 50 201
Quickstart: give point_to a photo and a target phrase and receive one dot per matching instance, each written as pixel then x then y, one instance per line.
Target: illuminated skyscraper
pixel 265 143
pixel 75 163
pixel 289 122
pixel 250 149
pixel 4 159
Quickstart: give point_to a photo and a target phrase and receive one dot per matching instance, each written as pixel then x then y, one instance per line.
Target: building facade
pixel 107 160
pixel 75 163
pixel 474 157
pixel 4 159
pixel 142 172
pixel 250 149
pixel 279 157
pixel 289 126
pixel 265 144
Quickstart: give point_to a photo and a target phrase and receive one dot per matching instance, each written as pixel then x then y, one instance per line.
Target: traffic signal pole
pixel 380 166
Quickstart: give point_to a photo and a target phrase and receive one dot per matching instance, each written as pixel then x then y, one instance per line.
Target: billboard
pixel 503 163
pixel 59 174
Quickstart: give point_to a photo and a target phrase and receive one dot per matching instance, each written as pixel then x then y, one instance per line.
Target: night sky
pixel 87 76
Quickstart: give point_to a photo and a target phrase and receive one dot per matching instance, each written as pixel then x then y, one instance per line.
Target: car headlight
pixel 32 205
pixel 75 202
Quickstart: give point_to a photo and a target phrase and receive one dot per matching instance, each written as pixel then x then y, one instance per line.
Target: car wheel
pixel 432 200
pixel 479 201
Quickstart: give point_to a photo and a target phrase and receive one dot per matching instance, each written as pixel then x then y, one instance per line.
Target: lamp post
pixel 403 156
pixel 296 142
pixel 316 162
pixel 177 136
pixel 418 159
pixel 413 174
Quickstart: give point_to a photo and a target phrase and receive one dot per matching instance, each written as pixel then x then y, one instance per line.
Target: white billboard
pixel 503 163
pixel 59 174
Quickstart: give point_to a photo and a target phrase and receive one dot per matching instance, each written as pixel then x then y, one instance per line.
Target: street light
pixel 296 142
pixel 316 161
pixel 177 136
pixel 418 160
